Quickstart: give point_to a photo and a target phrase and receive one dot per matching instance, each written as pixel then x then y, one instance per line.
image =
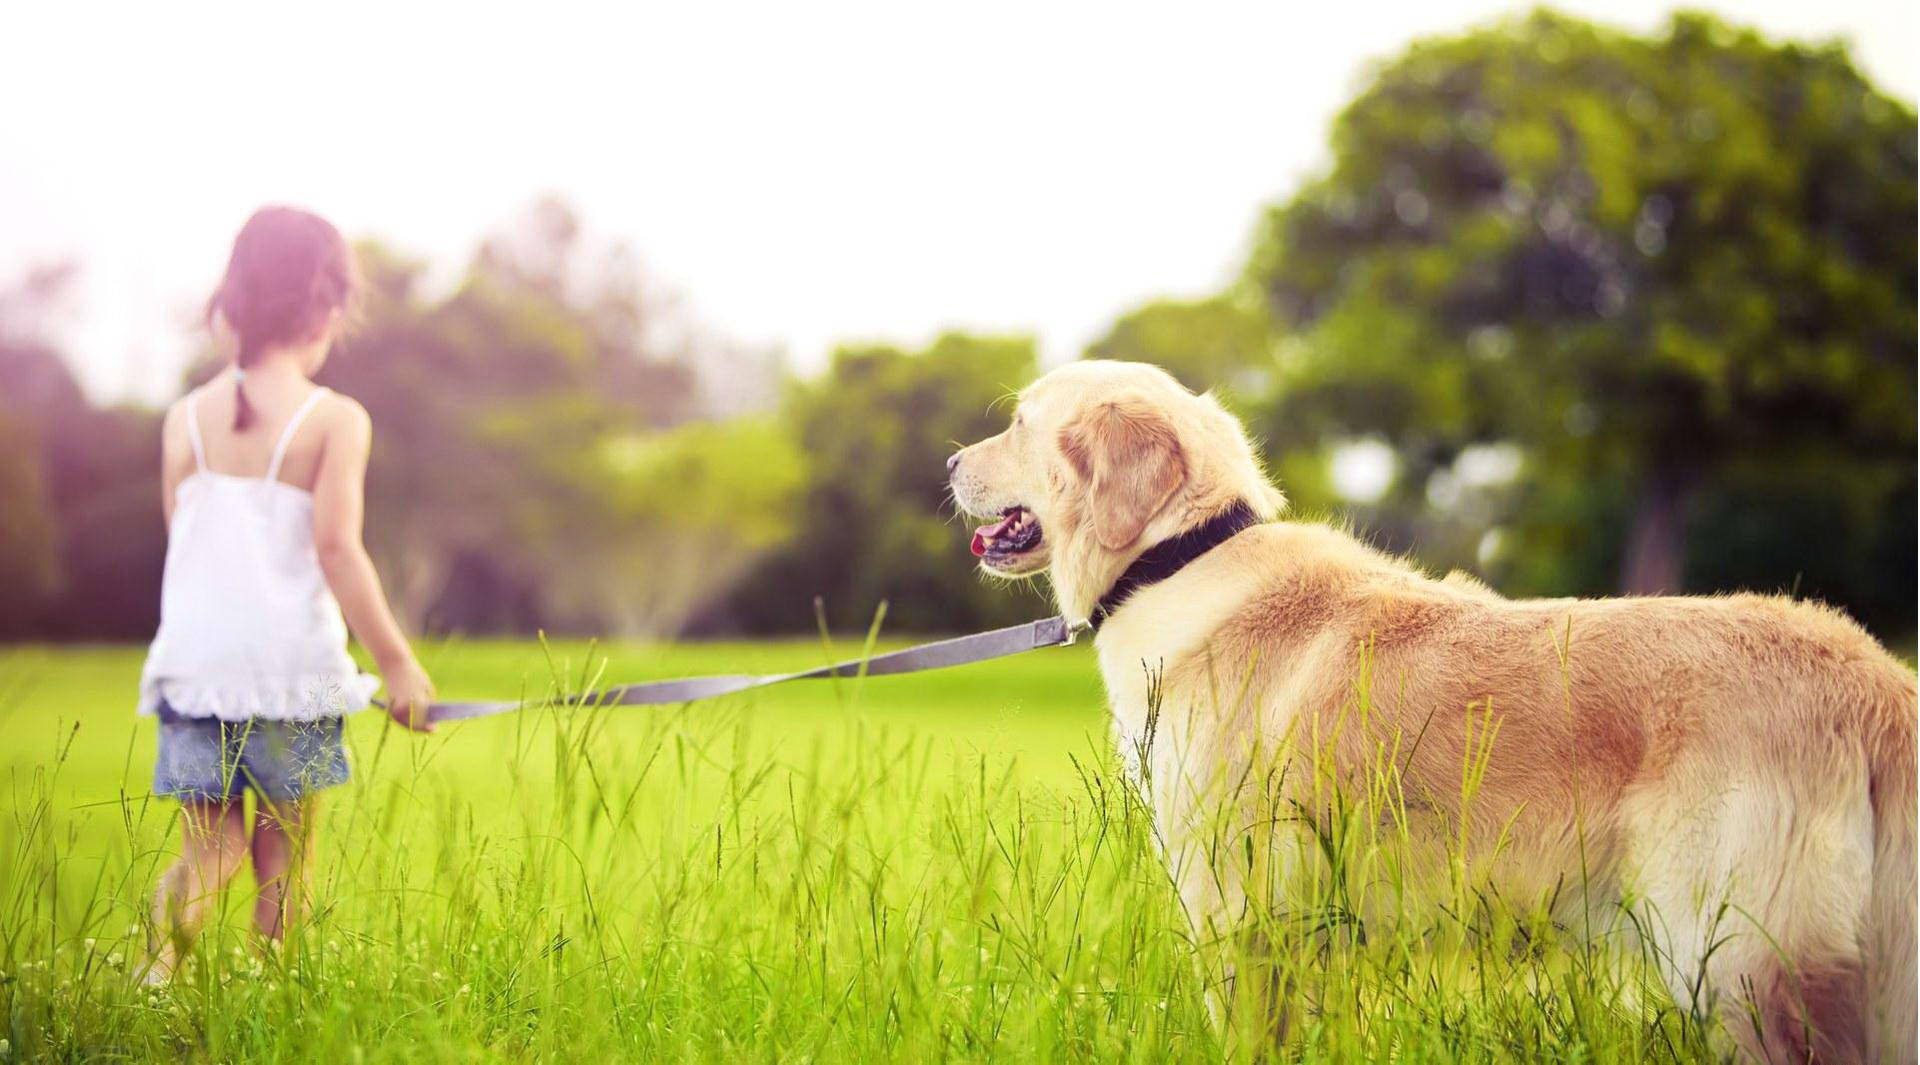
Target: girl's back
pixel 249 452
pixel 248 625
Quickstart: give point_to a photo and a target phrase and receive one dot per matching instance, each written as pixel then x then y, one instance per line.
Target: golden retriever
pixel 1735 770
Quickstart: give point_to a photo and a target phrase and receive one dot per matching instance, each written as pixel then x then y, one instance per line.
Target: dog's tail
pixel 1891 913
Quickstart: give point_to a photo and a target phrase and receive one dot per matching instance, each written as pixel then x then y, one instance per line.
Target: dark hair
pixel 290 269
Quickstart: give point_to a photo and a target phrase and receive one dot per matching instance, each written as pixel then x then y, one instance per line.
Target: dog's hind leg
pixel 1750 891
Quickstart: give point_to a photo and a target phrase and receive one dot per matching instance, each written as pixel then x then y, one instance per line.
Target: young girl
pixel 263 479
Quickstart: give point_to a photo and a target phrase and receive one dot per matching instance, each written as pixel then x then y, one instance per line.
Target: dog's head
pixel 1103 461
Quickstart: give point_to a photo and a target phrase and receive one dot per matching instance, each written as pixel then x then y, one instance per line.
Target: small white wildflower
pixel 90 942
pixel 116 960
pixel 438 976
pixel 463 989
pixel 350 985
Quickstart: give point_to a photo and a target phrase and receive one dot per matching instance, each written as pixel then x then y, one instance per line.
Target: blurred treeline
pixel 1592 312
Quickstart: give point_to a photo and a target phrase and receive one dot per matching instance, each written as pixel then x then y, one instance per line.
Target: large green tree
pixel 875 522
pixel 29 534
pixel 526 474
pixel 1677 271
pixel 80 520
pixel 533 450
pixel 1223 344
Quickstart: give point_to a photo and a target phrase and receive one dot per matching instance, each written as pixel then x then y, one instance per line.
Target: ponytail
pixel 242 410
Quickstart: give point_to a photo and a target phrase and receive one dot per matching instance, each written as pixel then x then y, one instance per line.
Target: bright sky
pixel 800 173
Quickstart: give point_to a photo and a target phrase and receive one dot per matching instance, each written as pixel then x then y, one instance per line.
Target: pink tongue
pixel 988 532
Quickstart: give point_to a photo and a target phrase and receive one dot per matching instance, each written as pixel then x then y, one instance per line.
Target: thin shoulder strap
pixel 193 431
pixel 286 435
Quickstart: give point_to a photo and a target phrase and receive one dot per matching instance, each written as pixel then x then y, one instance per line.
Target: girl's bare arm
pixel 339 504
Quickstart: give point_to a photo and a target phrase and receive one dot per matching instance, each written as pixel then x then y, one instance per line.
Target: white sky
pixel 801 173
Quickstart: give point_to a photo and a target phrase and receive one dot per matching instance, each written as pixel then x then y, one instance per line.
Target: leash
pixel 1158 563
pixel 941 654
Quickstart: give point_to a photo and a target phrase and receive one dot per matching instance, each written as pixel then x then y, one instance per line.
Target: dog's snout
pixel 953 462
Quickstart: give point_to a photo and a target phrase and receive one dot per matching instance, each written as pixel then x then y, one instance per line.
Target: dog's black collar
pixel 1169 557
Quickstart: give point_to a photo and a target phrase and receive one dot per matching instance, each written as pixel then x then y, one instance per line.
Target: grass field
pixel 905 869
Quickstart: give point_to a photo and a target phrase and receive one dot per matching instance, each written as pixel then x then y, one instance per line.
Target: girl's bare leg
pixel 282 851
pixel 212 846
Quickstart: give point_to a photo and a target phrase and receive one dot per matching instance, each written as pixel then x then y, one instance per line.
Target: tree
pixel 491 506
pixel 88 478
pixel 82 532
pixel 504 494
pixel 531 434
pixel 1650 263
pixel 1224 343
pixel 545 256
pixel 29 534
pixel 875 522
pixel 690 511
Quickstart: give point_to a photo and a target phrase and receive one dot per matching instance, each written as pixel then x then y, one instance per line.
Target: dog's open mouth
pixel 1016 533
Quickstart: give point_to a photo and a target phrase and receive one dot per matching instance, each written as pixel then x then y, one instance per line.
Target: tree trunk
pixel 1657 542
pixel 423 579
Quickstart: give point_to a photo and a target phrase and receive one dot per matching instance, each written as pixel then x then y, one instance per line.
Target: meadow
pixel 939 867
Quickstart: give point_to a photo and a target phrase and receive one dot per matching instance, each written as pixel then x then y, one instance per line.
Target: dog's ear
pixel 1128 456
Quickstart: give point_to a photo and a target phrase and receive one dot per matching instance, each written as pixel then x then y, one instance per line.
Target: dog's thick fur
pixel 1737 768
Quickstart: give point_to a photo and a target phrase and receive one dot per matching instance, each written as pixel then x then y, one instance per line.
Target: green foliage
pixel 1645 261
pixel 1224 343
pixel 88 477
pixel 489 496
pixel 29 535
pixel 112 527
pixel 714 479
pixel 875 522
pixel 1673 275
pixel 689 510
pixel 483 409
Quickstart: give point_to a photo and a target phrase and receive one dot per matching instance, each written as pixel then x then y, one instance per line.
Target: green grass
pixel 905 869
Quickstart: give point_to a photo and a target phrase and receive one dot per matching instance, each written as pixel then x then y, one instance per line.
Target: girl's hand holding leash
pixel 409 694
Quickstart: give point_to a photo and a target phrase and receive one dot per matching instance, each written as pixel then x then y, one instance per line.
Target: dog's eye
pixel 1019 420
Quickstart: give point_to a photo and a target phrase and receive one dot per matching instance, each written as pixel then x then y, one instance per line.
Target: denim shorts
pixel 209 759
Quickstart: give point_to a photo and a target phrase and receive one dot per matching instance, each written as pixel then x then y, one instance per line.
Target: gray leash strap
pixel 941 654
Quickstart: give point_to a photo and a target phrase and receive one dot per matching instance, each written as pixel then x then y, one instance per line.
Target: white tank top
pixel 248 627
